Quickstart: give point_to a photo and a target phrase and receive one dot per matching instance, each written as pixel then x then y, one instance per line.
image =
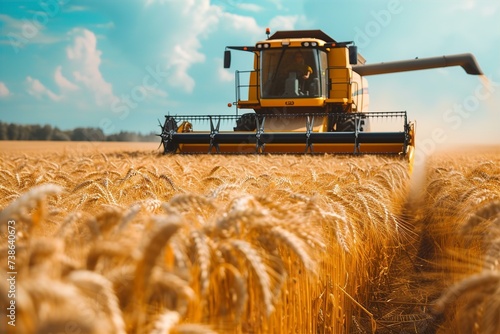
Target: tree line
pixel 12 131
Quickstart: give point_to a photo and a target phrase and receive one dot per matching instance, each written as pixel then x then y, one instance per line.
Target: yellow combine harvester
pixel 308 93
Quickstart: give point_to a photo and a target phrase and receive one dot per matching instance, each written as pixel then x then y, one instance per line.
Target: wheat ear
pixel 153 249
pixel 297 245
pixel 28 201
pixel 491 322
pixel 149 258
pixel 486 212
pixel 259 268
pixel 105 248
pixel 99 288
pixel 476 282
pixel 193 329
pixel 203 259
pixel 166 322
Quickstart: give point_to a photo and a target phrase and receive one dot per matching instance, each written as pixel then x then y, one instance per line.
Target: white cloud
pixel 250 7
pixel 278 4
pixel 108 25
pixel 28 30
pixel 243 24
pixel 464 5
pixel 10 22
pixel 86 58
pixel 151 91
pixel 4 91
pixel 490 9
pixel 84 61
pixel 485 9
pixel 201 20
pixel 150 2
pixel 224 74
pixel 38 90
pixel 63 83
pixel 176 34
pixel 180 60
pixel 283 22
pixel 172 36
pixel 75 8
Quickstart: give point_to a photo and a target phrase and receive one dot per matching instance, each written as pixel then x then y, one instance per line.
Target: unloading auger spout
pixel 467 61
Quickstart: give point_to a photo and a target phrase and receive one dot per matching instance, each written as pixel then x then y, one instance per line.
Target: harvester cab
pixel 307 93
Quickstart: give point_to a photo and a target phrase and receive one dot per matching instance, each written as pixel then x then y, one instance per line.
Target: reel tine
pixel 160 135
pixel 161 126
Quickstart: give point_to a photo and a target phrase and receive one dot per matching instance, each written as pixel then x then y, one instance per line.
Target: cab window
pixel 292 72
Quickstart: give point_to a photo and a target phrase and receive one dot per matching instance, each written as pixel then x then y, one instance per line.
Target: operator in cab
pixel 303 70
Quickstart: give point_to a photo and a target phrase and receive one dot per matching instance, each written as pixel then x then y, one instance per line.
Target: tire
pixel 349 125
pixel 247 122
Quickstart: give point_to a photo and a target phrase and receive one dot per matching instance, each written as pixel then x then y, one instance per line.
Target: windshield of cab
pixel 292 72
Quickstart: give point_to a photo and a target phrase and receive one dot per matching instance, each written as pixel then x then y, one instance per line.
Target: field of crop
pixel 119 239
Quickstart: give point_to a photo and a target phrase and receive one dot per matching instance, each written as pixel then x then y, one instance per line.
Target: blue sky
pixel 120 65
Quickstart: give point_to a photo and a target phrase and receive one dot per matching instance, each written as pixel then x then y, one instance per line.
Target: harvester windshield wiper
pixel 285 47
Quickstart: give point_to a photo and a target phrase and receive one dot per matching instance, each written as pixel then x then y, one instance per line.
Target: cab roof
pixel 318 34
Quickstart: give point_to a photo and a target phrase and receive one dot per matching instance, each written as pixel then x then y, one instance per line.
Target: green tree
pixel 59 135
pixel 4 135
pixel 13 131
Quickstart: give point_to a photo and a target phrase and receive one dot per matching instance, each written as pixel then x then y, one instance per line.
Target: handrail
pixel 238 85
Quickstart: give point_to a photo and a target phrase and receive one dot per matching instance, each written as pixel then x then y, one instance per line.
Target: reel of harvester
pixel 342 133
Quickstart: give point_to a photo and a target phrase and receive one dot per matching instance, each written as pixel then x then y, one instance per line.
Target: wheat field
pixel 121 239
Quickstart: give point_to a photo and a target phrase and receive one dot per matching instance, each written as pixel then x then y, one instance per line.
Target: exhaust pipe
pixel 466 60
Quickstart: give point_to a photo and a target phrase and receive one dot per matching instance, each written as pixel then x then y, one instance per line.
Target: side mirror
pixel 353 55
pixel 227 59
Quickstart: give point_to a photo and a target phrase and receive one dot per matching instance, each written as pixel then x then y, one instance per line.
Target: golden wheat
pixel 268 244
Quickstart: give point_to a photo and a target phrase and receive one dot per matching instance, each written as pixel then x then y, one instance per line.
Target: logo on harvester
pixel 289 103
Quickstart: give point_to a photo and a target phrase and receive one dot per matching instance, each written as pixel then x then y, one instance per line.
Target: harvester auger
pixel 308 94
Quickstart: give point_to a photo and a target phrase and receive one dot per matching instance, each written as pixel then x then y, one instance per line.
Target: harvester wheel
pixel 247 122
pixel 349 125
pixel 170 147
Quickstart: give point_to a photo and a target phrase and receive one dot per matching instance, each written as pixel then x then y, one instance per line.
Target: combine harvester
pixel 308 94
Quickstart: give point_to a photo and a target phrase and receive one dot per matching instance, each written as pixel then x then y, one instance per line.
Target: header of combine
pixel 306 93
